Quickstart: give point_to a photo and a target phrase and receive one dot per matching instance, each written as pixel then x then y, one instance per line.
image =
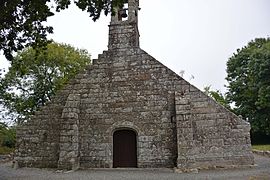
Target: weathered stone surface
pixel 125 88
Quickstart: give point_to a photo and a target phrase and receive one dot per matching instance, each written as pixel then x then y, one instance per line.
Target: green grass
pixel 261 147
pixel 6 150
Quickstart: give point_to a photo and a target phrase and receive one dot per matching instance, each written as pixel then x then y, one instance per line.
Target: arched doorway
pixel 124 148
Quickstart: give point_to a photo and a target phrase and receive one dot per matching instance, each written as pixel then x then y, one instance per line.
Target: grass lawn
pixel 6 150
pixel 261 147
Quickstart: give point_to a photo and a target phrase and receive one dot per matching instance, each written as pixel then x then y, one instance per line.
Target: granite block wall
pixel 176 124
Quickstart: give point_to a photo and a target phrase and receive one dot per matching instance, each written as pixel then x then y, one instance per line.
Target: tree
pixel 33 78
pixel 21 21
pixel 218 96
pixel 248 76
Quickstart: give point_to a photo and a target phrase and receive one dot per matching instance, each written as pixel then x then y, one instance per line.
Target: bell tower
pixel 123 29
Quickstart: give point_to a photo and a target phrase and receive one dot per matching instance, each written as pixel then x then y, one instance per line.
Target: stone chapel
pixel 129 110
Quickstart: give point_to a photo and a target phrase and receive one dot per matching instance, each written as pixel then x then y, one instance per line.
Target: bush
pixel 7 136
pixel 6 150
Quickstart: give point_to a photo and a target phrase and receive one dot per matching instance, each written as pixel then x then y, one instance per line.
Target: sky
pixel 194 36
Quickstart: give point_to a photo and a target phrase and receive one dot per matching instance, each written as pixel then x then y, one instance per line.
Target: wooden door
pixel 124 149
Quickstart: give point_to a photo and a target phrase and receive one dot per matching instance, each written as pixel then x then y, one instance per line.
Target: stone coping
pixel 6 157
pixel 262 153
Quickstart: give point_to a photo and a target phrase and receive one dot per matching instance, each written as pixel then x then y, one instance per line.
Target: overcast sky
pixel 197 36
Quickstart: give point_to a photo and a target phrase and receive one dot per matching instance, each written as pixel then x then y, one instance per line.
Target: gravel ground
pixel 261 172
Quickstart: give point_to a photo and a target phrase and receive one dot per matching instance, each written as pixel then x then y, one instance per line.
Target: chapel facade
pixel 129 110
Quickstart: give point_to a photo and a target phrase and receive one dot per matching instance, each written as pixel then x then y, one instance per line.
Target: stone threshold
pixel 167 170
pixel 130 169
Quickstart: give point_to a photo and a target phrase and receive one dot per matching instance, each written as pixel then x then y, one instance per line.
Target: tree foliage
pixel 248 76
pixel 217 96
pixel 21 20
pixel 33 78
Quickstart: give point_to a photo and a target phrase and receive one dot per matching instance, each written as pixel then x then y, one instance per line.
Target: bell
pixel 123 13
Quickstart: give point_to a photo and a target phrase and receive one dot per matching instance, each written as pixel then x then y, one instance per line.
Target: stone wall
pixel 38 139
pixel 127 89
pixel 176 124
pixel 208 134
pixel 130 89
